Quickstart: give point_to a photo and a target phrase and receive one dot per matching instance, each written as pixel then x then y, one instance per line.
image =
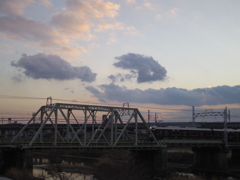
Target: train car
pixel 194 133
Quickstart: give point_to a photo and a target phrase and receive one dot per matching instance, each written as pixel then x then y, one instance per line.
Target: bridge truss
pixel 118 127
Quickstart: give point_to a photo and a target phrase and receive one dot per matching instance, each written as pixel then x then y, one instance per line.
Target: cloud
pixel 120 77
pixel 69 50
pixel 93 8
pixel 147 69
pixel 130 1
pixel 107 26
pixel 78 21
pixel 81 16
pixel 17 79
pixel 72 25
pixel 42 66
pixel 18 27
pixel 6 49
pixel 175 11
pixel 70 90
pixel 96 92
pixel 169 96
pixel 13 7
pixel 148 5
pixel 46 3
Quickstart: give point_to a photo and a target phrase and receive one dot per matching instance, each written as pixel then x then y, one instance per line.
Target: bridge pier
pixel 235 154
pixel 235 158
pixel 156 160
pixel 20 159
pixel 210 160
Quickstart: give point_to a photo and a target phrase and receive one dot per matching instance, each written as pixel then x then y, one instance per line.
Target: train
pixel 194 133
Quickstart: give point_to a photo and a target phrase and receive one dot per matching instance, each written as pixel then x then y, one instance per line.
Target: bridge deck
pixel 144 144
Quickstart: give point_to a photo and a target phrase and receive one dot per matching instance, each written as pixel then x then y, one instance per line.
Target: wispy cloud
pixel 46 3
pixel 13 7
pixel 130 1
pixel 80 20
pixel 18 27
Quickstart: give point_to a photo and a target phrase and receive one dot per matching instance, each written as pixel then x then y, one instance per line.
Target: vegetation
pixel 18 174
pixel 177 176
pixel 180 157
pixel 108 165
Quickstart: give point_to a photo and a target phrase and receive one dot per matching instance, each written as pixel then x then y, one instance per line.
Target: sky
pixel 154 54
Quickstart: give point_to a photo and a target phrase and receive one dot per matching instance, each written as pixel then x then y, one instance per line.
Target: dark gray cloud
pixel 120 77
pixel 147 69
pixel 17 79
pixel 96 93
pixel 170 96
pixel 42 66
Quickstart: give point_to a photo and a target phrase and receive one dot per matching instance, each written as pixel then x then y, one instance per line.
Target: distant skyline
pixel 151 53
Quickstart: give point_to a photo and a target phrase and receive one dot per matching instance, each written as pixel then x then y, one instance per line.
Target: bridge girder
pixel 105 133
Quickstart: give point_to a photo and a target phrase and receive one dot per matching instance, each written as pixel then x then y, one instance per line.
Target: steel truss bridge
pixel 112 131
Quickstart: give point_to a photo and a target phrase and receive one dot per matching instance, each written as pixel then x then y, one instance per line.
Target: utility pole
pixel 148 117
pixel 193 117
pixel 209 112
pixel 225 128
pixel 156 118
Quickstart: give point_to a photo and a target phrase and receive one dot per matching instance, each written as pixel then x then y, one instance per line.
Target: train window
pixel 222 134
pixel 165 133
pixel 237 135
pixel 160 133
pixel 230 134
pixel 193 133
pixel 176 133
pixel 184 133
pixel 208 133
pixel 216 134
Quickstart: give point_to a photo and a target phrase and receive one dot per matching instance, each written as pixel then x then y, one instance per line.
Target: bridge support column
pixel 19 159
pixel 235 155
pixel 156 160
pixel 160 161
pixel 210 159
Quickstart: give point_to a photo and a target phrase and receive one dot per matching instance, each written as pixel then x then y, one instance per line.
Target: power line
pixel 76 101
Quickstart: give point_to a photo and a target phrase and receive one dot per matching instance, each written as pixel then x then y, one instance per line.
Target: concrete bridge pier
pixel 20 159
pixel 235 154
pixel 210 160
pixel 156 160
pixel 161 161
pixel 235 157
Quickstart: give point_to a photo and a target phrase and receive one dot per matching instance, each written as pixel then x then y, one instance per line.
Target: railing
pixel 23 143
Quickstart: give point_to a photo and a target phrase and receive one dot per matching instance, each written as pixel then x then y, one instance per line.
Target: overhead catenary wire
pixel 75 101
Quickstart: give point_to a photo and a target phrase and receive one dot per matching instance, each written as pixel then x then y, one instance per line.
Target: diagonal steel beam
pixel 99 127
pixel 125 127
pixel 42 125
pixel 26 125
pixel 80 142
pixel 55 127
pixel 148 128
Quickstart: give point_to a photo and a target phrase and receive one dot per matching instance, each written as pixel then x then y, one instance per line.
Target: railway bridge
pixel 119 128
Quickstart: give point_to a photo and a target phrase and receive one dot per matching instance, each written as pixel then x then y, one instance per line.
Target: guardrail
pixel 123 144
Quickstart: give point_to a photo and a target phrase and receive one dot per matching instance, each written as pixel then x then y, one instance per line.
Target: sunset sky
pixel 151 53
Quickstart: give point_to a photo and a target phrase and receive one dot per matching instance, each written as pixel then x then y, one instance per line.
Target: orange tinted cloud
pixel 76 22
pixel 93 9
pixel 14 7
